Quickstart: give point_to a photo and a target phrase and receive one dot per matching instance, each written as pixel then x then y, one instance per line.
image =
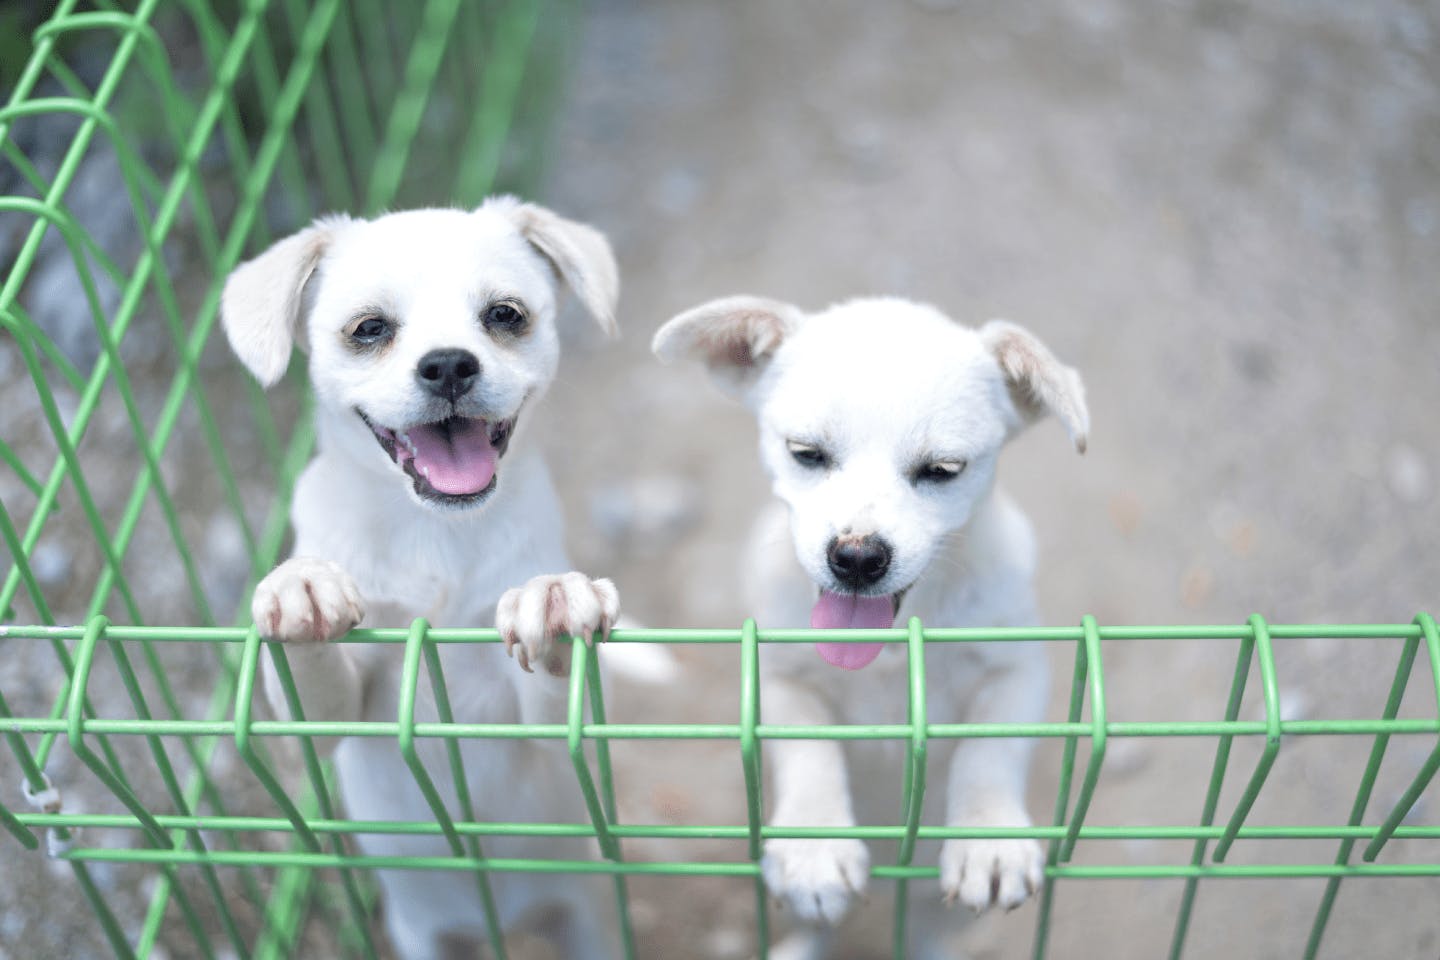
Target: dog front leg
pixel 987 789
pixel 304 603
pixel 819 879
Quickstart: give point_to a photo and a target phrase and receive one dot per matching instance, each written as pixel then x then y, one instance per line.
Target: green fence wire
pixel 146 149
pixel 317 832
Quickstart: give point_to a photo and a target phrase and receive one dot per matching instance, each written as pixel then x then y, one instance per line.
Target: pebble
pixel 1197 586
pixel 1407 474
pixel 1125 513
pixel 51 563
pixel 727 943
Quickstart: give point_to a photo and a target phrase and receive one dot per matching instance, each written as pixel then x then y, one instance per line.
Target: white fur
pixel 369 550
pixel 883 385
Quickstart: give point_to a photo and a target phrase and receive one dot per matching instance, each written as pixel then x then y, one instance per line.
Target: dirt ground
pixel 1226 216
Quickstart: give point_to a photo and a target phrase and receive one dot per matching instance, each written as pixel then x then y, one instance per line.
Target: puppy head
pixel 427 331
pixel 880 425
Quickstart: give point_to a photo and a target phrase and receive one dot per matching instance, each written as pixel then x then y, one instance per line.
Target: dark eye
pixel 940 471
pixel 504 315
pixel 807 454
pixel 371 330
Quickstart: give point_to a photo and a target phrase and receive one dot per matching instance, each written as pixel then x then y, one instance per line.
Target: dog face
pixel 428 332
pixel 880 425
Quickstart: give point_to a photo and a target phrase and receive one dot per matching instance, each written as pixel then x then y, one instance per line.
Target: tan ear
pixel 579 253
pixel 1039 383
pixel 261 304
pixel 735 337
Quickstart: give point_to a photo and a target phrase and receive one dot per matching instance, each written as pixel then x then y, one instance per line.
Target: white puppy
pixel 880 425
pixel 431 334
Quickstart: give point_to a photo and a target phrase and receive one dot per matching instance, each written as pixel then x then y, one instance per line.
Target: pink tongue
pixel 836 611
pixel 458 461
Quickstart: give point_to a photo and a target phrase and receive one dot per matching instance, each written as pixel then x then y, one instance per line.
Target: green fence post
pixel 1431 764
pixel 753 766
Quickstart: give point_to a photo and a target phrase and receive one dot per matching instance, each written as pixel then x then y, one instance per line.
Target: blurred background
pixel 1225 215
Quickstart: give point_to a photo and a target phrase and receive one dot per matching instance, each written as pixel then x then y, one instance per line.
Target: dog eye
pixel 505 316
pixel 940 471
pixel 371 330
pixel 807 455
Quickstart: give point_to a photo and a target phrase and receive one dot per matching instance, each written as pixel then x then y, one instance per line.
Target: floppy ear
pixel 1039 383
pixel 579 253
pixel 262 301
pixel 735 337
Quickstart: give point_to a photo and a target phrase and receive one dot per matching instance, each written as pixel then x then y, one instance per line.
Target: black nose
pixel 858 562
pixel 448 373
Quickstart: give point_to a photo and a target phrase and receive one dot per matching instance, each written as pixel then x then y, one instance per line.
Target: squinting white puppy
pixel 880 425
pixel 431 335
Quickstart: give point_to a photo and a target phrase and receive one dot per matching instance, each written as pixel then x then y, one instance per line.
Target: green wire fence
pixel 146 149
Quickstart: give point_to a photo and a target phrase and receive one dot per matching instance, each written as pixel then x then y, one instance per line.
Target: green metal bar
pixel 69 167
pixel 1432 763
pixel 667 636
pixel 575 743
pixel 48 349
pixel 1212 794
pixel 1062 804
pixel 244 700
pixel 1362 796
pixel 409 107
pixel 438 686
pixel 753 766
pixel 405 733
pixel 499 89
pixel 345 68
pixel 22 567
pixel 1095 667
pixel 913 797
pixel 321 798
pixel 692 868
pixel 328 825
pixel 716 731
pixel 69 464
pixel 75 728
pixel 8 457
pixel 1272 738
pixel 284 912
pixel 108 924
pixel 712 731
pixel 607 796
pixel 18 830
pixel 172 787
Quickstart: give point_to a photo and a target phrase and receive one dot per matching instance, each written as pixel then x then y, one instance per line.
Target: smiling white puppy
pixel 881 422
pixel 431 334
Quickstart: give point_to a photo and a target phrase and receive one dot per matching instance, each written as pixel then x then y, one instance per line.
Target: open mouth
pixel 850 611
pixel 450 461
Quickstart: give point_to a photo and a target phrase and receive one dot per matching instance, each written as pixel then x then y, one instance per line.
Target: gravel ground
pixel 1226 217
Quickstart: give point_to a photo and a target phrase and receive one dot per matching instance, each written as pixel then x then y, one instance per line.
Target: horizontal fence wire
pixel 158 834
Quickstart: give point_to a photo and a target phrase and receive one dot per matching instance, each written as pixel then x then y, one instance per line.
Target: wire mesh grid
pixel 146 149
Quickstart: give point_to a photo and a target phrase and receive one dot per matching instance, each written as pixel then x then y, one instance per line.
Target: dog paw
pixel 818 879
pixel 306 600
pixel 990 873
pixel 531 618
